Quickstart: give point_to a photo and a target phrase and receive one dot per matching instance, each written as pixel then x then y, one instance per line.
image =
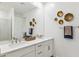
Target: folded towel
pixel 68 32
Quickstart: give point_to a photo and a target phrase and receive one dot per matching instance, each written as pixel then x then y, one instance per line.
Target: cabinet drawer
pixel 40 49
pixel 20 52
pixel 40 45
pixel 45 49
pixel 31 54
pixel 40 53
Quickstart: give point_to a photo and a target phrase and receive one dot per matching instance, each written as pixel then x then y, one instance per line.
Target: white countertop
pixel 8 47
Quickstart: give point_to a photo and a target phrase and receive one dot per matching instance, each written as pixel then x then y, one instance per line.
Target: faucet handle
pixel 14 38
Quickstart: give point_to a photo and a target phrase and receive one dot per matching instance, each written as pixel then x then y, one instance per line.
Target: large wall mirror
pixel 5 29
pixel 5 25
pixel 14 19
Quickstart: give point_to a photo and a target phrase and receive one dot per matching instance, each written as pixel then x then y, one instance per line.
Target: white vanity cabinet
pixel 22 52
pixel 40 49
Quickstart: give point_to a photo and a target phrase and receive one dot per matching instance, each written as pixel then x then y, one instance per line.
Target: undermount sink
pixel 17 44
pixel 11 46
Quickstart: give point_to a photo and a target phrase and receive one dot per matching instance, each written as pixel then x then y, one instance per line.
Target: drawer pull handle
pixel 39 45
pixel 39 52
pixel 48 47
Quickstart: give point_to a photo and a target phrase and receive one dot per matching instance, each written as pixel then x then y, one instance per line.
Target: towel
pixel 68 32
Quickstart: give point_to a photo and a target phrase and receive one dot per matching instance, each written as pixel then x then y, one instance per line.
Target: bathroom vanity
pixel 40 47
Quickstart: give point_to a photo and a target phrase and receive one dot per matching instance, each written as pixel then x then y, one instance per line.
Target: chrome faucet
pixel 15 40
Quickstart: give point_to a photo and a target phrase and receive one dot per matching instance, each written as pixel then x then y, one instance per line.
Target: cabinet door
pixel 50 48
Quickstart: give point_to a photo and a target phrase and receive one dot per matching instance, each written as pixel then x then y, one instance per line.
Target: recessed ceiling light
pixel 22 3
pixel 37 4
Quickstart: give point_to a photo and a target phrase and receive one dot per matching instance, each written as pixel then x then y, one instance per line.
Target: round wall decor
pixel 59 13
pixel 61 21
pixel 68 17
pixel 56 19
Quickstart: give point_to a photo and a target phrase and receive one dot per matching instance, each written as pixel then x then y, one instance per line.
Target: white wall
pixel 63 47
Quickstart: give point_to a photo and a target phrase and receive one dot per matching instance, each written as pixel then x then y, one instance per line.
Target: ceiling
pixel 19 7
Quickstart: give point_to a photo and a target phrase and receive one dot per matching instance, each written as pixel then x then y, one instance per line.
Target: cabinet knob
pixel 40 52
pixel 39 45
